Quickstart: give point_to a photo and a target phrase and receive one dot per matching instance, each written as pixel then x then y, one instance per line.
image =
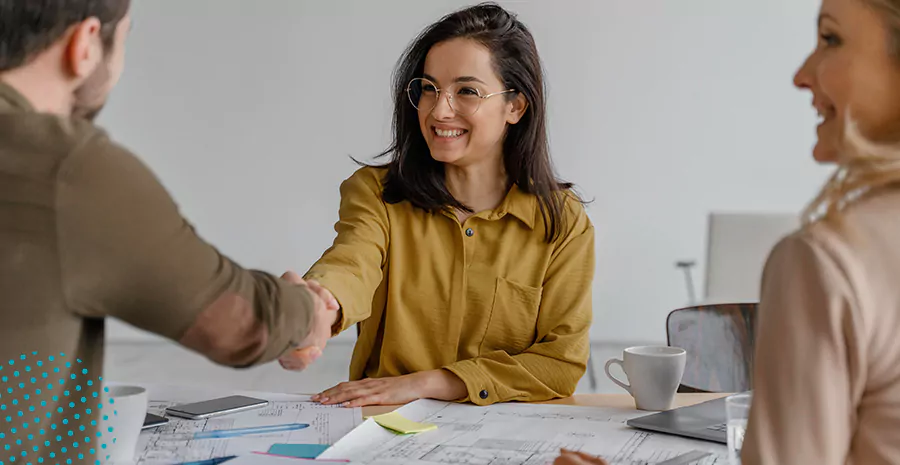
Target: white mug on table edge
pixel 654 374
pixel 124 410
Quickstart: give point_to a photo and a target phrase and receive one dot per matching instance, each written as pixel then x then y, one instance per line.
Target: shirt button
pixel 484 394
pixel 470 232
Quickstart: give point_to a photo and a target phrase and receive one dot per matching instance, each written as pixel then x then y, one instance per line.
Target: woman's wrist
pixel 442 385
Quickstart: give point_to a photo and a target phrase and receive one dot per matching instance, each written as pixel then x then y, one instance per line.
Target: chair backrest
pixel 719 343
pixel 737 248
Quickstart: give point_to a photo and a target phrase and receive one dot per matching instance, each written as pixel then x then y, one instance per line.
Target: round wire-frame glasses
pixel 464 99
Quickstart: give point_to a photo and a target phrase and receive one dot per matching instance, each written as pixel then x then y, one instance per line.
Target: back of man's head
pixel 28 27
pixel 64 56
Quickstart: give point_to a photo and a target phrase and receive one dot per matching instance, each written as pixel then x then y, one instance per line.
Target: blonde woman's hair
pixel 864 166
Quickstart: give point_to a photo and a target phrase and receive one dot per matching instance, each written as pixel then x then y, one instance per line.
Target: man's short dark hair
pixel 28 27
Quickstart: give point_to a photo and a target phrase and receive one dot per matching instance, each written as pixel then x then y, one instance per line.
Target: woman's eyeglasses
pixel 464 99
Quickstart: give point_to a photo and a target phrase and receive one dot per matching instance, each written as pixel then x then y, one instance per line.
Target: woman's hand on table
pixel 434 384
pixel 568 457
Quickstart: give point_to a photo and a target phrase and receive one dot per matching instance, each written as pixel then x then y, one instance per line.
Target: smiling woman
pixel 827 361
pixel 466 263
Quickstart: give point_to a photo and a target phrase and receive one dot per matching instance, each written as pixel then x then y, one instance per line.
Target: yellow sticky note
pixel 396 422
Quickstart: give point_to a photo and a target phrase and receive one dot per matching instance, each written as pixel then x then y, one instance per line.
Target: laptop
pixel 706 421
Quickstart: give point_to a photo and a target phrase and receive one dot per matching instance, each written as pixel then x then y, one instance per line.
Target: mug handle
pixel 615 361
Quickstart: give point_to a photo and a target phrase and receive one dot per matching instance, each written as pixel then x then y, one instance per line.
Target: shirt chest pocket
pixel 512 326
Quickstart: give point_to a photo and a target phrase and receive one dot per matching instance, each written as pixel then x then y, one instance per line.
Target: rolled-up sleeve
pixel 126 252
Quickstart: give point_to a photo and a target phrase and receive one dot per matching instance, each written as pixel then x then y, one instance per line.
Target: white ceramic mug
pixel 124 409
pixel 654 373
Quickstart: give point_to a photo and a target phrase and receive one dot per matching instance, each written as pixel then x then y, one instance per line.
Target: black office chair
pixel 719 341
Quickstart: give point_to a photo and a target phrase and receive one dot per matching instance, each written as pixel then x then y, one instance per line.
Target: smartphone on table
pixel 216 407
pixel 152 421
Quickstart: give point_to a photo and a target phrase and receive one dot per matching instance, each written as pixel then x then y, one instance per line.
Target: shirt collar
pixel 519 204
pixel 11 99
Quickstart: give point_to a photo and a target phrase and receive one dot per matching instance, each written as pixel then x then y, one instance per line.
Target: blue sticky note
pixel 300 451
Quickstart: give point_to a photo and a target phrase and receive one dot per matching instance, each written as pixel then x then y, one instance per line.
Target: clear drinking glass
pixel 738 412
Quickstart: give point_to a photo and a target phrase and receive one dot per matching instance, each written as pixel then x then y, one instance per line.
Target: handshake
pixel 325 315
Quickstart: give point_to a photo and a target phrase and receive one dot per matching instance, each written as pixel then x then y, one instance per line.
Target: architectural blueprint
pixel 288 419
pixel 514 434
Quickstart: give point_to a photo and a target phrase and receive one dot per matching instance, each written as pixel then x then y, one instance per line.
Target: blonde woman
pixel 827 377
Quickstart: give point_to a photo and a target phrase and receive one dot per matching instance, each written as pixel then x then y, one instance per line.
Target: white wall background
pixel 660 110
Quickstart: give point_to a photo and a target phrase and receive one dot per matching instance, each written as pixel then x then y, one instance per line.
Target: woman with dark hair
pixel 466 263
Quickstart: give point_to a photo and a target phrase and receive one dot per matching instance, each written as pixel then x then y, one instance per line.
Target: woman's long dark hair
pixel 414 176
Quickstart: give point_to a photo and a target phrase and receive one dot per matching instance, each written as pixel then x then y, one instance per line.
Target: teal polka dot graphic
pixel 32 446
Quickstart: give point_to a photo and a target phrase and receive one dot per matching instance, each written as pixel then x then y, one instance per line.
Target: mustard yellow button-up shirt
pixel 489 300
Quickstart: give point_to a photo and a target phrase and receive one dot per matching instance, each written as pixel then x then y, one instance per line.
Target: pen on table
pixel 215 461
pixel 305 459
pixel 237 432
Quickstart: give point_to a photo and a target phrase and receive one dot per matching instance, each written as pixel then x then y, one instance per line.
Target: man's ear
pixel 84 51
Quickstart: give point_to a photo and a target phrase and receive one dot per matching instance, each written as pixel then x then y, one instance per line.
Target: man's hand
pixel 330 302
pixel 324 317
pixel 568 457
